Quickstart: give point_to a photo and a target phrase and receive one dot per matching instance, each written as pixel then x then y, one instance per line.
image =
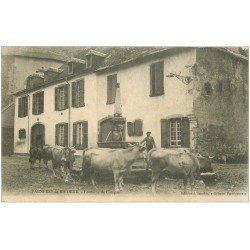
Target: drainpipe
pixel 28 132
pixel 69 107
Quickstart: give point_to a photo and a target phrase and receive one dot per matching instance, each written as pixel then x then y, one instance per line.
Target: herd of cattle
pixel 176 163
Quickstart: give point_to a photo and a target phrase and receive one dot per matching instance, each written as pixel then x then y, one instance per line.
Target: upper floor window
pixel 207 89
pixel 70 68
pixel 38 103
pixel 23 106
pixel 22 134
pixel 61 135
pixel 157 79
pixel 135 128
pixel 88 61
pixel 111 88
pixel 78 94
pixel 61 97
pixel 80 134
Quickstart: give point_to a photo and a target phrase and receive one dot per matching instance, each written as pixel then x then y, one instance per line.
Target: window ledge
pixel 155 95
pixel 108 103
pixel 78 107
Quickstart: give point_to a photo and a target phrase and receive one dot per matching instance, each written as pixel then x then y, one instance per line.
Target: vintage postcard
pixel 118 124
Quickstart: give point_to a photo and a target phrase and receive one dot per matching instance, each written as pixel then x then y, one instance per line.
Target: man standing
pixel 150 142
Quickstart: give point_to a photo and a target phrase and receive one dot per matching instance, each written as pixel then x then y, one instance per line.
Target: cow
pixel 36 153
pixel 116 160
pixel 179 164
pixel 61 157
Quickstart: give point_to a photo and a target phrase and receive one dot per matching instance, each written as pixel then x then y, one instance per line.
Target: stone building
pixel 187 97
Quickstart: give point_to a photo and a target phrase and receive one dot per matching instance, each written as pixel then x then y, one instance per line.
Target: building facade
pixel 170 92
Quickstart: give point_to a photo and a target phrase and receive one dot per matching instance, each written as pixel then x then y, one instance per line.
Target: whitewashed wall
pixel 135 99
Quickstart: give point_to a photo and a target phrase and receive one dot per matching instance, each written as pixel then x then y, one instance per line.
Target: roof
pixel 118 57
pixel 76 60
pixel 97 53
pixel 36 75
pixel 49 69
pixel 38 52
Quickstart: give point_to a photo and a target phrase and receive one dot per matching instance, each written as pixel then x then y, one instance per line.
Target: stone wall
pixel 221 103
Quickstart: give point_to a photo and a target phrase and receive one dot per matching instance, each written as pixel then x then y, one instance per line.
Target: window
pixel 78 94
pixel 80 134
pixel 111 88
pixel 88 61
pixel 157 79
pixel 61 136
pixel 61 98
pixel 22 134
pixel 219 87
pixel 23 106
pixel 207 89
pixel 38 103
pixel 175 132
pixel 70 68
pixel 135 128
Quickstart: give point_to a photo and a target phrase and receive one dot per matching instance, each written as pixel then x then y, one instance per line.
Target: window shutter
pixel 34 104
pixel 66 135
pixel 82 90
pixel 66 97
pixel 130 127
pixel 20 107
pixel 73 97
pixel 41 103
pixel 138 127
pixel 25 104
pixel 74 133
pixel 85 134
pixel 114 81
pixel 165 137
pixel 109 89
pixel 57 134
pixel 159 78
pixel 185 132
pixel 56 98
pixel 152 79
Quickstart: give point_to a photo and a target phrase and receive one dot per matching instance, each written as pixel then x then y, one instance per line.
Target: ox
pixel 116 160
pixel 179 164
pixel 36 153
pixel 61 157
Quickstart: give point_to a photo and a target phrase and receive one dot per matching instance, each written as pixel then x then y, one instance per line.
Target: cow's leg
pixel 155 177
pixel 120 181
pixel 192 181
pixel 185 181
pixel 92 179
pixel 53 169
pixel 116 180
pixel 39 162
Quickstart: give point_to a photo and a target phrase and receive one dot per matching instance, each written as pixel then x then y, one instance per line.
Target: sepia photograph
pixel 124 124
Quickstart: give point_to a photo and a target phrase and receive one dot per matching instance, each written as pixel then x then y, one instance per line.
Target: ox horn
pixel 211 157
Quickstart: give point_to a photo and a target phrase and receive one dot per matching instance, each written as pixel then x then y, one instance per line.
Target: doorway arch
pixel 38 135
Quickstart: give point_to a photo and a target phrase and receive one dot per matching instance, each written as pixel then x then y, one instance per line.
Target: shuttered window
pixel 78 94
pixel 135 128
pixel 38 103
pixel 111 88
pixel 80 134
pixel 61 98
pixel 157 79
pixel 175 133
pixel 23 106
pixel 61 135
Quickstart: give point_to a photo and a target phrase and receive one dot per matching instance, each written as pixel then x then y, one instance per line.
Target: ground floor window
pixel 80 134
pixel 22 134
pixel 62 134
pixel 175 132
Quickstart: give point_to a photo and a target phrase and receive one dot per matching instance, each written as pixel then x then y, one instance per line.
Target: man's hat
pixel 148 132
